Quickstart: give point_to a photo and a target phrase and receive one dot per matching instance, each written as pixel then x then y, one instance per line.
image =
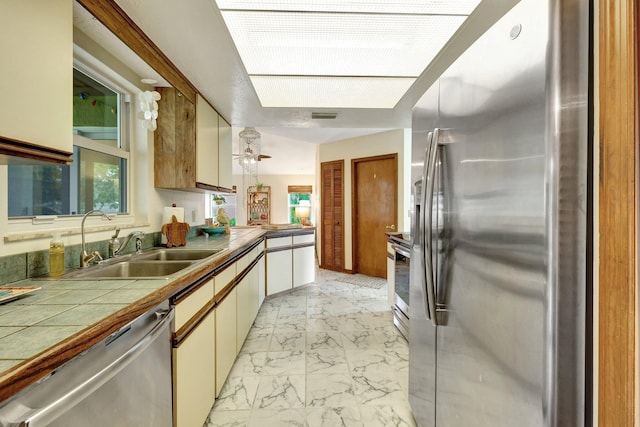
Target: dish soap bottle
pixel 56 256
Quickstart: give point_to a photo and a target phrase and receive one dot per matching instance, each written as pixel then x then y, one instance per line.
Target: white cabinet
pixel 304 259
pixel 304 265
pixel 248 298
pixel 37 72
pixel 262 279
pixel 206 142
pixel 194 358
pixel 279 271
pixel 194 375
pixel 290 262
pixel 189 306
pixel 244 310
pixel 225 149
pixel 226 326
pixel 226 332
pixel 206 343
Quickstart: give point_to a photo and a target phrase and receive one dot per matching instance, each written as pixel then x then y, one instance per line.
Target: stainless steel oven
pixel 402 258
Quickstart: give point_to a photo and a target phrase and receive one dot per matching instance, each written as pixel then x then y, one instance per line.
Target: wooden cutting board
pixel 176 232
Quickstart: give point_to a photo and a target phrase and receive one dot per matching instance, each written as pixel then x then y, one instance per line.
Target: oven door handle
pixel 402 251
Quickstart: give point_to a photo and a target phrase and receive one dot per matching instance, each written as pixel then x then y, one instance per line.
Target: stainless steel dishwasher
pixel 125 380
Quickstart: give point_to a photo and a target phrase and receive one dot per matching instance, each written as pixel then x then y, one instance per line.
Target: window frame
pixel 97 70
pixel 300 189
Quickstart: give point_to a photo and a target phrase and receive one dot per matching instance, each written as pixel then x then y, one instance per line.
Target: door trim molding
pixel 617 190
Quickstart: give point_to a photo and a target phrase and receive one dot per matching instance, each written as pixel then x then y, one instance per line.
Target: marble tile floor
pixel 326 354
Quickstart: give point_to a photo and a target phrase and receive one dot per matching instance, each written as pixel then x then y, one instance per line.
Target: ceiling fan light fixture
pixel 249 146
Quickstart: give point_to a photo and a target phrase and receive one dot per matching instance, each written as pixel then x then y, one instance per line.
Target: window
pixel 97 178
pixel 223 201
pixel 299 204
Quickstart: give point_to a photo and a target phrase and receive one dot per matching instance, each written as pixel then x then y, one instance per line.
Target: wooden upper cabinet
pixel 187 143
pixel 36 81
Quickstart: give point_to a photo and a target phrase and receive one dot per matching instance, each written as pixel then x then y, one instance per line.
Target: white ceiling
pixel 193 35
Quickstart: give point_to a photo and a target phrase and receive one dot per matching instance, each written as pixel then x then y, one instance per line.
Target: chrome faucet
pixel 138 235
pixel 85 258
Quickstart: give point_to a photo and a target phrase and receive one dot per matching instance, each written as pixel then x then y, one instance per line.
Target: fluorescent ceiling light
pixel 330 92
pixel 443 7
pixel 339 53
pixel 338 45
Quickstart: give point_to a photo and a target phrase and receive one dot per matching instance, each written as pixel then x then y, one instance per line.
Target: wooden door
pixel 375 207
pixel 332 215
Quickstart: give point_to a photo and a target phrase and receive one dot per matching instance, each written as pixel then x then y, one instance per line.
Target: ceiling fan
pixel 250 147
pixel 249 155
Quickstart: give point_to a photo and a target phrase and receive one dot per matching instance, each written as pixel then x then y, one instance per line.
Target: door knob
pixel 390 227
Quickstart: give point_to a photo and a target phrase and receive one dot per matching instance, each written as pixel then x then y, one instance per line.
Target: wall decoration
pixel 148 101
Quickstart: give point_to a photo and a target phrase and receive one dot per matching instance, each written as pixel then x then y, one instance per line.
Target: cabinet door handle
pixel 390 227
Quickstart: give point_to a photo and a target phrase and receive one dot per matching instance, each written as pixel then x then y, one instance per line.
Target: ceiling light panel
pixel 327 44
pixel 441 7
pixel 330 92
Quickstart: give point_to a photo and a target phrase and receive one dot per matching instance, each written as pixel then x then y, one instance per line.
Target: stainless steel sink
pixel 177 254
pixel 152 264
pixel 131 269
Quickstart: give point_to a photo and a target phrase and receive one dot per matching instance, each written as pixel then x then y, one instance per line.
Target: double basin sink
pixel 151 264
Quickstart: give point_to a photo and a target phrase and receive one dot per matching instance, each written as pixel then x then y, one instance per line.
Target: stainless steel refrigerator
pixel 500 305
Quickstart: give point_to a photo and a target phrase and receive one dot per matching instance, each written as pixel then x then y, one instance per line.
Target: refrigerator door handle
pixel 428 210
pixel 421 227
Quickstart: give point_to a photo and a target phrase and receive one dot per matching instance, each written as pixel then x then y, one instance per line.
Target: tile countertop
pixel 42 330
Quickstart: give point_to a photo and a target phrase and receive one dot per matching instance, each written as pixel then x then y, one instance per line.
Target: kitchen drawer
pixel 189 306
pixel 243 262
pixel 278 242
pixel 225 277
pixel 303 238
pixel 260 247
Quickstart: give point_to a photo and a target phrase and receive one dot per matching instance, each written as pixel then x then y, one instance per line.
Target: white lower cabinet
pixel 193 374
pixel 304 265
pixel 279 271
pixel 245 310
pixel 205 353
pixel 290 262
pixel 262 281
pixel 226 332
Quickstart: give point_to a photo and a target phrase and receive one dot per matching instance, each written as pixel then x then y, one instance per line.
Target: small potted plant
pixel 218 199
pixel 259 186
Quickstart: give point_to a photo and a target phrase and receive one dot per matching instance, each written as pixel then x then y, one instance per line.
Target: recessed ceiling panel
pixel 449 7
pixel 330 92
pixel 338 44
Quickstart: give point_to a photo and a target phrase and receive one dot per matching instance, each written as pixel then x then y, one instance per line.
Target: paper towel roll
pixel 169 211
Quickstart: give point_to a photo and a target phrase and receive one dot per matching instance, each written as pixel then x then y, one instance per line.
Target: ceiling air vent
pixel 318 116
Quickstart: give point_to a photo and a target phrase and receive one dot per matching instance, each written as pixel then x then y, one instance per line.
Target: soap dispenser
pixel 56 256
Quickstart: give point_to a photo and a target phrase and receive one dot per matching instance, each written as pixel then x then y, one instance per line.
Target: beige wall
pixel 394 141
pixel 279 195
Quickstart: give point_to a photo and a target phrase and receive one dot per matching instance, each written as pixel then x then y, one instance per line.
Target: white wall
pixel 394 141
pixel 279 195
